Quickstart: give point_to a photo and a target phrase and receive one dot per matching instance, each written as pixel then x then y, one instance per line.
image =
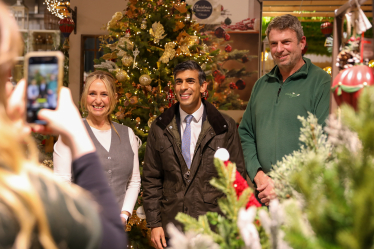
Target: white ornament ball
pixel 140 212
pixel 222 154
pixel 127 60
pixel 121 75
pixel 145 80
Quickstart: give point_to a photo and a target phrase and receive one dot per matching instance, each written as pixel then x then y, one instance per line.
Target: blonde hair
pixel 18 154
pixel 109 82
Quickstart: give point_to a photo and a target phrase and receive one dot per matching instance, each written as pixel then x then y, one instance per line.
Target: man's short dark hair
pixel 286 22
pixel 190 65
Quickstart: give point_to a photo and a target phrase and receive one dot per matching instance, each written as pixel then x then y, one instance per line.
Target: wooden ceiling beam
pixel 314 14
pixel 307 8
pixel 310 3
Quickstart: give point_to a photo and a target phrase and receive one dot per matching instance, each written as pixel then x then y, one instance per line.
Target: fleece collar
pixel 302 72
pixel 215 118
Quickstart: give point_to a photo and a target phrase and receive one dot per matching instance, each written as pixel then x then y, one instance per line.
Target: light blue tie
pixel 186 141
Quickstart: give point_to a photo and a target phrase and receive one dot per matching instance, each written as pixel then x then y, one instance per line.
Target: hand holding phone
pixel 43 74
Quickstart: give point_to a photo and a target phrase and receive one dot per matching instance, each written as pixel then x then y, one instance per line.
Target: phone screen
pixel 42 86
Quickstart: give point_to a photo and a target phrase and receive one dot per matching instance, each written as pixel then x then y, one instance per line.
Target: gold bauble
pixel 127 60
pixel 161 109
pixel 328 70
pixel 371 63
pixel 145 80
pixel 121 75
pixel 150 120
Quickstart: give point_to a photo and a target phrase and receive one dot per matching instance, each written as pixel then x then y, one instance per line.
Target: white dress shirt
pixel 62 164
pixel 196 124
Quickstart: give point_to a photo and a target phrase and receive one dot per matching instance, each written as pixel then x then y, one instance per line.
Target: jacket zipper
pixel 280 88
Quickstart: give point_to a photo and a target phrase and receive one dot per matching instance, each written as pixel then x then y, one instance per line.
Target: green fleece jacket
pixel 270 129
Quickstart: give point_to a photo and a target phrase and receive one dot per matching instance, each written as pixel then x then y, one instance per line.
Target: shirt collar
pixel 196 115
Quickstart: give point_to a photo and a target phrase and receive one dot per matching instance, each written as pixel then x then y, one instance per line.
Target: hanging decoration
pixel 144 24
pixel 205 94
pixel 240 84
pixel 347 85
pixel 121 75
pixel 218 76
pixel 233 86
pixel 135 53
pixel 171 98
pixel 145 80
pixel 127 60
pixel 228 48
pixel 219 32
pixel 66 26
pixel 326 29
pixel 157 32
pixel 169 52
pixel 227 37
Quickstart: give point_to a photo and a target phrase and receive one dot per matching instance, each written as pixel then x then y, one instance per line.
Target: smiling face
pixel 286 49
pixel 98 101
pixel 188 90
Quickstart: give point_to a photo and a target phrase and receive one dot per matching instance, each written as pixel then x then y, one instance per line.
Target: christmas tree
pixel 142 48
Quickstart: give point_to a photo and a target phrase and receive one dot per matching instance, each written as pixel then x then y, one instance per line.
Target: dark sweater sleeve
pixel 88 174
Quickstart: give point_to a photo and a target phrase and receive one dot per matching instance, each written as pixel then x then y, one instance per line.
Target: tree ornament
pixel 121 75
pixel 233 86
pixel 227 37
pixel 219 32
pixel 169 52
pixel 66 26
pixel 228 21
pixel 240 84
pixel 128 33
pixel 228 48
pixel 157 32
pixel 327 70
pixel 347 85
pixel 326 29
pixel 138 119
pixel 161 109
pixel 135 53
pixel 127 60
pixel 371 64
pixel 205 94
pixel 171 97
pixel 145 80
pixel 245 58
pixel 133 100
pixel 150 120
pixel 144 24
pixel 305 49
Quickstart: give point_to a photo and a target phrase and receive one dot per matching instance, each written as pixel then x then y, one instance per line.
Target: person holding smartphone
pixel 115 144
pixel 38 210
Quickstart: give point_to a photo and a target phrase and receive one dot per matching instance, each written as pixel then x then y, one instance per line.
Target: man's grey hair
pixel 286 22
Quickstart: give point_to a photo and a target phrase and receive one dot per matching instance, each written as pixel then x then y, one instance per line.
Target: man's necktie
pixel 186 141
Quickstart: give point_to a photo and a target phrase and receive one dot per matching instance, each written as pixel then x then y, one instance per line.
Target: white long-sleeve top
pixel 62 164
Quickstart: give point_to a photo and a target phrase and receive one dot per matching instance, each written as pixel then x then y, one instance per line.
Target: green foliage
pixel 335 192
pixel 226 232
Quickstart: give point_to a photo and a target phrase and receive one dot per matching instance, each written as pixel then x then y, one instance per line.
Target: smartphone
pixel 44 75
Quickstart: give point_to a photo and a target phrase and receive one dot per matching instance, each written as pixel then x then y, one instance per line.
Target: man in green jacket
pixel 270 129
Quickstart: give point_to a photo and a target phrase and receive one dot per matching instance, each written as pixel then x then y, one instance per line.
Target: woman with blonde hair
pixel 115 144
pixel 37 210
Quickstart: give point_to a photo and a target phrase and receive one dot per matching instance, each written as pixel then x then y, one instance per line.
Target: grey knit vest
pixel 118 163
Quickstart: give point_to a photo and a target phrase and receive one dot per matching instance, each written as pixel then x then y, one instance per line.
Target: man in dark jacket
pixel 179 154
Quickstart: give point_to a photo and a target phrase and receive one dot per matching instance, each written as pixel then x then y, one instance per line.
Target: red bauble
pixel 219 32
pixel 128 32
pixel 348 84
pixel 245 58
pixel 216 73
pixel 227 37
pixel 233 86
pixel 305 49
pixel 240 84
pixel 205 94
pixel 326 28
pixel 228 48
pixel 66 26
pixel 171 97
